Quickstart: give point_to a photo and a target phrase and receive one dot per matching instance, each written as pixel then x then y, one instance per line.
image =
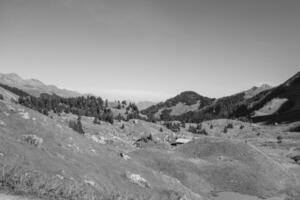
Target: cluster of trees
pixel 81 106
pixel 76 125
pixel 197 129
pixel 14 90
pixel 225 107
pixel 228 126
pixel 173 126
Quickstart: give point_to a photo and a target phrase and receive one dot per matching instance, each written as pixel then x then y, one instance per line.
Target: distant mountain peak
pixel 34 86
pixel 256 90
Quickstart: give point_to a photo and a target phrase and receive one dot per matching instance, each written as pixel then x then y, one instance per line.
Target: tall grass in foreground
pixel 21 181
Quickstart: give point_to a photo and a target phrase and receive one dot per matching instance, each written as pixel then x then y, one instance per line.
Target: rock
pixel 98 140
pixel 126 157
pixel 12 109
pixel 6 113
pixel 60 176
pixel 137 179
pixel 93 151
pixel 2 123
pixel 91 182
pixel 25 115
pixel 33 140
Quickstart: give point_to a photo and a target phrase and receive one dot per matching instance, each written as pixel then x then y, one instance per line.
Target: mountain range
pixel 34 86
pixel 264 103
pixel 53 147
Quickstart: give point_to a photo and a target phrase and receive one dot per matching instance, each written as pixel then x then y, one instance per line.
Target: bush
pixel 119 117
pixel 225 130
pixel 183 124
pixel 279 139
pixel 229 125
pixel 161 129
pixel 211 126
pixel 242 127
pixel 107 116
pixel 173 126
pixel 33 140
pixel 76 125
pixel 197 130
pixel 123 126
pixel 199 126
pixel 1 97
pixel 192 129
pixel 96 121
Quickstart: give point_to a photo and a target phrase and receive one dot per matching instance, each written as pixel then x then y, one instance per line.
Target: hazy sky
pixel 151 49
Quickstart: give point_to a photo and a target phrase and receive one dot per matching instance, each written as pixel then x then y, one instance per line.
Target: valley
pixel 133 155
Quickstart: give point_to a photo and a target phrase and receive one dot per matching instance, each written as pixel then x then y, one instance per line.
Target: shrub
pixel 192 129
pixel 183 124
pixel 123 126
pixel 96 121
pixel 199 126
pixel 225 130
pixel 76 125
pixel 161 129
pixel 119 117
pixel 107 116
pixel 202 132
pixel 1 97
pixel 242 127
pixel 279 139
pixel 211 126
pixel 197 130
pixel 229 125
pixel 32 140
pixel 173 126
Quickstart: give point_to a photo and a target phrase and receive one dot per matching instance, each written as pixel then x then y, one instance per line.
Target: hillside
pixel 184 102
pixel 191 107
pixel 142 105
pixel 279 104
pixel 41 157
pixel 34 86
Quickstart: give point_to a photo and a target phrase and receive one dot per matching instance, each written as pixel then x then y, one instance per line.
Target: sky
pixel 151 49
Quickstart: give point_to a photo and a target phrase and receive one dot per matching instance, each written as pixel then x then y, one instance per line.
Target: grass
pixel 21 181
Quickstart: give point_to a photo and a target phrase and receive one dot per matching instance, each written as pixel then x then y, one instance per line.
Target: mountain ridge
pixel 34 86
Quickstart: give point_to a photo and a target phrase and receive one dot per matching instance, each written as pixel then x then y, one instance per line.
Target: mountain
pixel 192 107
pixel 184 102
pixel 256 90
pixel 142 105
pixel 279 104
pixel 34 86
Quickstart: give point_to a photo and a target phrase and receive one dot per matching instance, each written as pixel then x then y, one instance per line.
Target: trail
pixel 268 157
